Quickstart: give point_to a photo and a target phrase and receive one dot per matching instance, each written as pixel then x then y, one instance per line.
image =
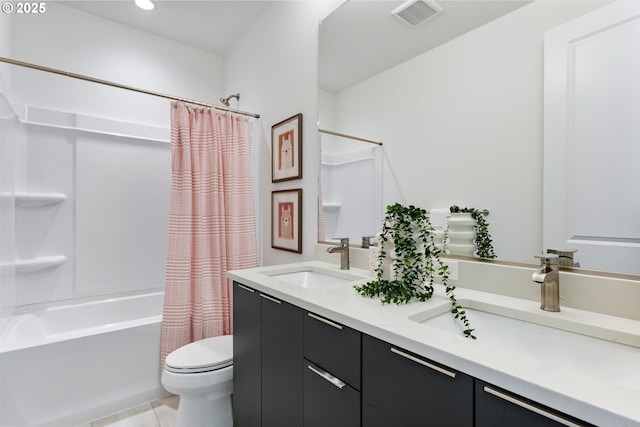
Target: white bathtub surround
pixel 81 320
pixel 9 141
pixel 352 210
pixel 67 198
pixel 69 364
pixel 575 390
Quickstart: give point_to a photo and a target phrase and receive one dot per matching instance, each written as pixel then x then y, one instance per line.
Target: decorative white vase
pixel 461 234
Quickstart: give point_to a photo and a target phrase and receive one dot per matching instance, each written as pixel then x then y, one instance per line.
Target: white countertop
pixel 590 397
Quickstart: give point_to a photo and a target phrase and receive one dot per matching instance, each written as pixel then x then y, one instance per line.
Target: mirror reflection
pixel 462 119
pixel 350 193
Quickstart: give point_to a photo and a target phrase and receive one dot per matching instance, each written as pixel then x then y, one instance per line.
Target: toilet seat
pixel 209 354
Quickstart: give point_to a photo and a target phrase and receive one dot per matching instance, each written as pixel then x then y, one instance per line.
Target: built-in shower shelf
pixel 39 263
pixel 29 200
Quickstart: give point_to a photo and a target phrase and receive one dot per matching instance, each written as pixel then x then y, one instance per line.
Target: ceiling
pixel 210 25
pixel 362 38
pixel 358 41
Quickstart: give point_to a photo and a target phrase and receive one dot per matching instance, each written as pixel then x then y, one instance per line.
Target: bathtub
pixel 68 365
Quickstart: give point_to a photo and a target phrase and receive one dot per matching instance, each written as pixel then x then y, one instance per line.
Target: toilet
pixel 201 373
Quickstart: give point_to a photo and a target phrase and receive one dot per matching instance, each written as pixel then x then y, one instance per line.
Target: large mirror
pixel 458 101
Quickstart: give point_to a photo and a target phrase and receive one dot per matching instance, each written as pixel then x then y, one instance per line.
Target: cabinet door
pixel 403 389
pixel 281 363
pixel 496 407
pixel 328 401
pixel 246 356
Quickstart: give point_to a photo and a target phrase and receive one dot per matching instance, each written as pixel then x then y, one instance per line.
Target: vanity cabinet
pixel 296 368
pixel 267 352
pixel 403 389
pixel 281 355
pixel 497 407
pixel 247 339
pixel 332 355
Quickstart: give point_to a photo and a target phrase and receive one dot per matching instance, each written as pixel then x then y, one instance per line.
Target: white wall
pixel 462 124
pixel 72 40
pixel 274 66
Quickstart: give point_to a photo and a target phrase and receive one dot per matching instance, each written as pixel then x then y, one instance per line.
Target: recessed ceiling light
pixel 145 4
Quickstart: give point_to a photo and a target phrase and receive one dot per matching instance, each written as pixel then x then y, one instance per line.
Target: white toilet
pixel 201 373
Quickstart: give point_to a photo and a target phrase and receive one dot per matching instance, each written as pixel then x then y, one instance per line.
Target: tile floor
pixel 160 413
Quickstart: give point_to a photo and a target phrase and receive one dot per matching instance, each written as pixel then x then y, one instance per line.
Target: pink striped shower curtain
pixel 211 223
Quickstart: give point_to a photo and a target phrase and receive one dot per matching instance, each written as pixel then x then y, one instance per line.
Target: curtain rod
pixel 121 86
pixel 349 136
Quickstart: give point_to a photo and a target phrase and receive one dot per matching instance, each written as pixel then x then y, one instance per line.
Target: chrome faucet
pixel 549 278
pixel 344 252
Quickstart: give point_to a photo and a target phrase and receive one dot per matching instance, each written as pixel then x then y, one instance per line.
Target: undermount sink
pixel 312 277
pixel 563 340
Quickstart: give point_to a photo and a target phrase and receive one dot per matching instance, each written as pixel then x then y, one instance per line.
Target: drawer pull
pixel 327 376
pixel 424 363
pixel 245 288
pixel 530 407
pixel 277 301
pixel 328 322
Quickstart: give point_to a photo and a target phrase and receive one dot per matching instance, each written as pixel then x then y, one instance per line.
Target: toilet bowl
pixel 201 373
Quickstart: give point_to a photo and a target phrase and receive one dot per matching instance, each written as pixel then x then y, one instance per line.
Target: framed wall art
pixel 286 220
pixel 286 148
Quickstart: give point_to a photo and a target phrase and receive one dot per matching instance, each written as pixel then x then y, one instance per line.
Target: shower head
pixel 225 101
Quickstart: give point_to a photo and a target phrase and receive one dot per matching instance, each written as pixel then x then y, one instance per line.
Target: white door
pixel 592 138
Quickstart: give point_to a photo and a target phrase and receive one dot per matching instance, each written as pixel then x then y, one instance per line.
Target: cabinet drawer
pixel 400 388
pixel 328 401
pixel 333 347
pixel 495 406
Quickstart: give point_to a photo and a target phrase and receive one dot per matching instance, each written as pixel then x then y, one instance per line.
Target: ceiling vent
pixel 415 12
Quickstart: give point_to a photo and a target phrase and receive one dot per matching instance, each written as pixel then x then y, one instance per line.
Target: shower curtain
pixel 212 225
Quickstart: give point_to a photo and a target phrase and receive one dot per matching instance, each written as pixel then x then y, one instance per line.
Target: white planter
pixel 461 234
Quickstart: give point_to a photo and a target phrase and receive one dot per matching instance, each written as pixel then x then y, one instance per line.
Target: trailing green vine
pixel 417 262
pixel 483 241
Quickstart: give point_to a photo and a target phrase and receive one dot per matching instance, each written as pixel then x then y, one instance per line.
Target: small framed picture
pixel 286 148
pixel 286 220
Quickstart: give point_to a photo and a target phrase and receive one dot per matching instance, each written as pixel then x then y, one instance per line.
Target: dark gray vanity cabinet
pixel 400 388
pixel 294 368
pixel 247 364
pixel 497 407
pixel 331 373
pixel 281 355
pixel 267 352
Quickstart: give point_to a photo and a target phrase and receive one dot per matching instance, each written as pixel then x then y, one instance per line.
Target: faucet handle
pixel 344 241
pixel 367 240
pixel 549 260
pixel 566 257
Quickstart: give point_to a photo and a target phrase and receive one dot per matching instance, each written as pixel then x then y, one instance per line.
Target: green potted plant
pixel 482 240
pixel 417 264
